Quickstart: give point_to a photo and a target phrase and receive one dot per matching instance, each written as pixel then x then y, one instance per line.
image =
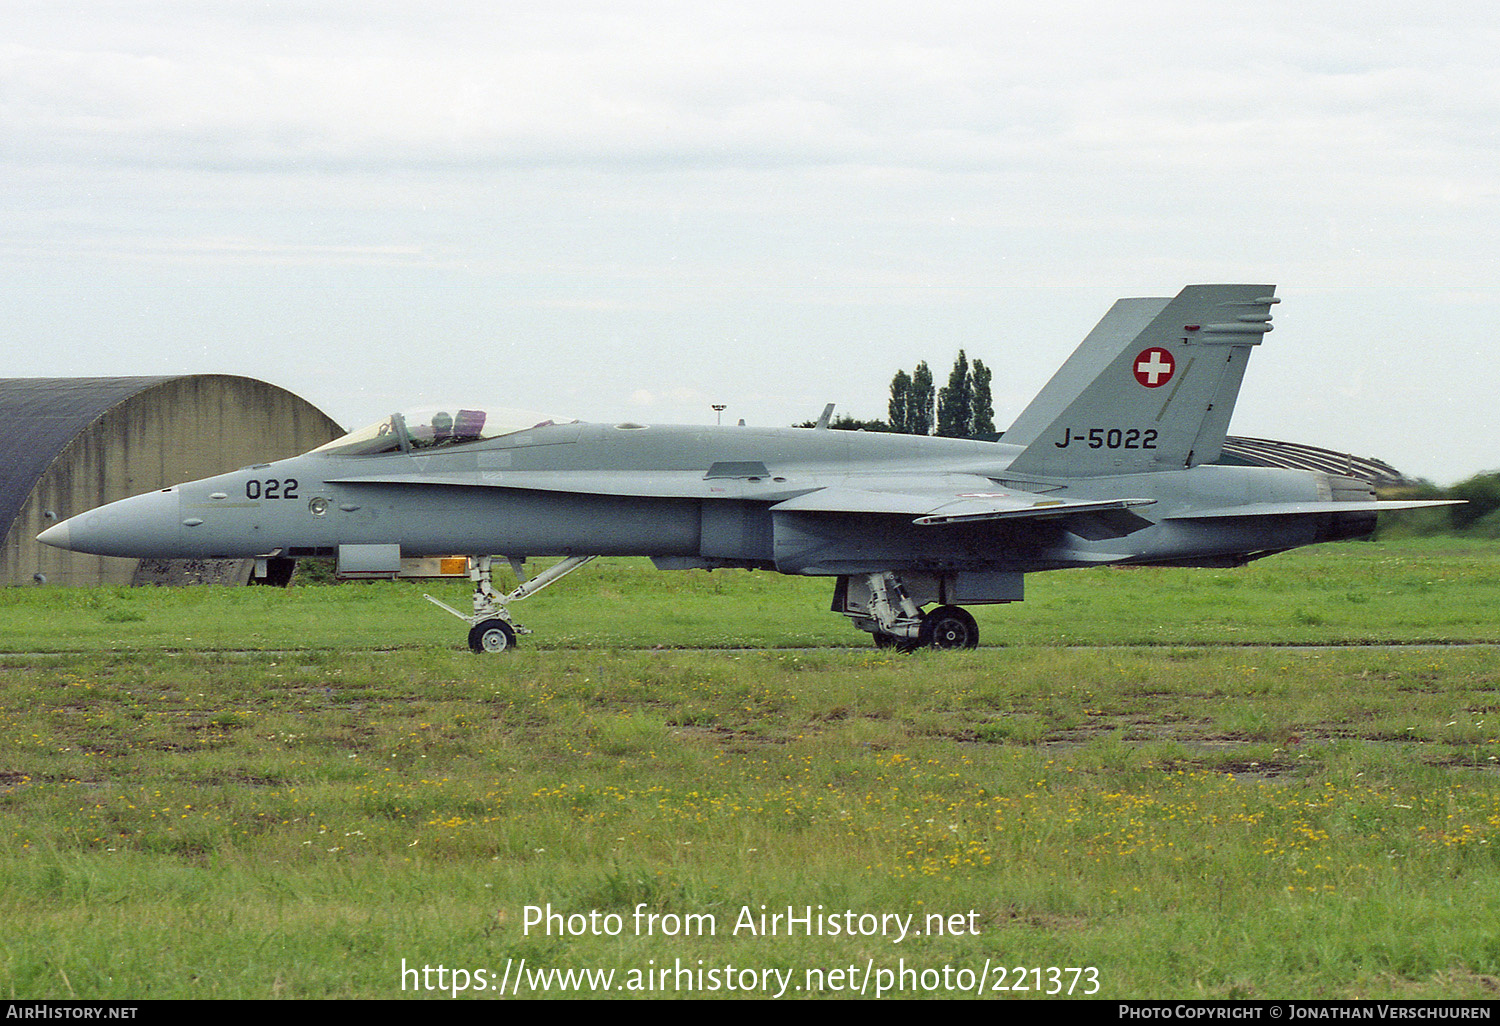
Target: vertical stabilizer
pixel 1125 320
pixel 1151 388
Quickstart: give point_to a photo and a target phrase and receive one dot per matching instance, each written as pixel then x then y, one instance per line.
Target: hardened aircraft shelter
pixel 71 444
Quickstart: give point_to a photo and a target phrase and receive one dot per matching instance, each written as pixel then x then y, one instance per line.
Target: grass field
pixel 259 793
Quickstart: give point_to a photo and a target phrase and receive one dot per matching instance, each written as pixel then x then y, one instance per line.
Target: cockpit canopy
pixel 437 427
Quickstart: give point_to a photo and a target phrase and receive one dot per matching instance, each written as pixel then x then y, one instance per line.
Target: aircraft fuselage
pixel 697 495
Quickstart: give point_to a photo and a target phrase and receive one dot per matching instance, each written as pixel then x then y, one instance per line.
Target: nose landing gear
pixel 491 628
pixel 493 635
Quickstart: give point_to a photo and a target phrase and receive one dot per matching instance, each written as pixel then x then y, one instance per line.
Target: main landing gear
pixel 491 628
pixel 881 604
pixel 948 627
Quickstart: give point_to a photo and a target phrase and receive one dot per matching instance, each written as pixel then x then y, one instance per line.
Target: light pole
pixel 719 409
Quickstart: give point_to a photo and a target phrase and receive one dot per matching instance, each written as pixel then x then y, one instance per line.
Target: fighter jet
pixel 1111 463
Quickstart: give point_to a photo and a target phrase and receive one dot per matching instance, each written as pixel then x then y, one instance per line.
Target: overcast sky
pixel 632 210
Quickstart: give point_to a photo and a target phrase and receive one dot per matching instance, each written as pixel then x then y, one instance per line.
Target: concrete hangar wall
pixel 70 444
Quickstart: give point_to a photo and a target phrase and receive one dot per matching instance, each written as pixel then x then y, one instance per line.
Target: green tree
pixel 981 403
pixel 845 423
pixel 955 405
pixel 919 409
pixel 964 408
pixel 899 409
pixel 1482 495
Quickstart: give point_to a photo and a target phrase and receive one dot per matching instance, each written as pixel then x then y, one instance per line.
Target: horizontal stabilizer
pixel 1287 509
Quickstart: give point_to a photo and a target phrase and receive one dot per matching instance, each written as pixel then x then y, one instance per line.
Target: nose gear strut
pixel 491 628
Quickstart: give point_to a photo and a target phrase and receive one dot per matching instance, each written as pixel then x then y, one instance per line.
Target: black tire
pixel 492 636
pixel 949 627
pixel 900 644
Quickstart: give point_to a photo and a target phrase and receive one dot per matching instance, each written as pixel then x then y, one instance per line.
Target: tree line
pixel 1479 517
pixel 963 408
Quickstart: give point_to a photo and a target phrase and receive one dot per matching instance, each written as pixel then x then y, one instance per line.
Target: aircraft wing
pixel 936 508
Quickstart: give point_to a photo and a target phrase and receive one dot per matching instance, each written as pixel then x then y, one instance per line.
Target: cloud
pixel 678 397
pixel 1091 96
pixel 769 195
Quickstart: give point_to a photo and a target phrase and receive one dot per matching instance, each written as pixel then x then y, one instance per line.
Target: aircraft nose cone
pixel 56 535
pixel 140 526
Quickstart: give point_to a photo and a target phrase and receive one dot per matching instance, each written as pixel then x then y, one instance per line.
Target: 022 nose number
pixel 271 488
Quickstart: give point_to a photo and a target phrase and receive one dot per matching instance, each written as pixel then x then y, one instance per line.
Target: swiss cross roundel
pixel 1154 367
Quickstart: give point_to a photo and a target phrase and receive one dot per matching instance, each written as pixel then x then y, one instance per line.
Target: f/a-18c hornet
pixel 1112 462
